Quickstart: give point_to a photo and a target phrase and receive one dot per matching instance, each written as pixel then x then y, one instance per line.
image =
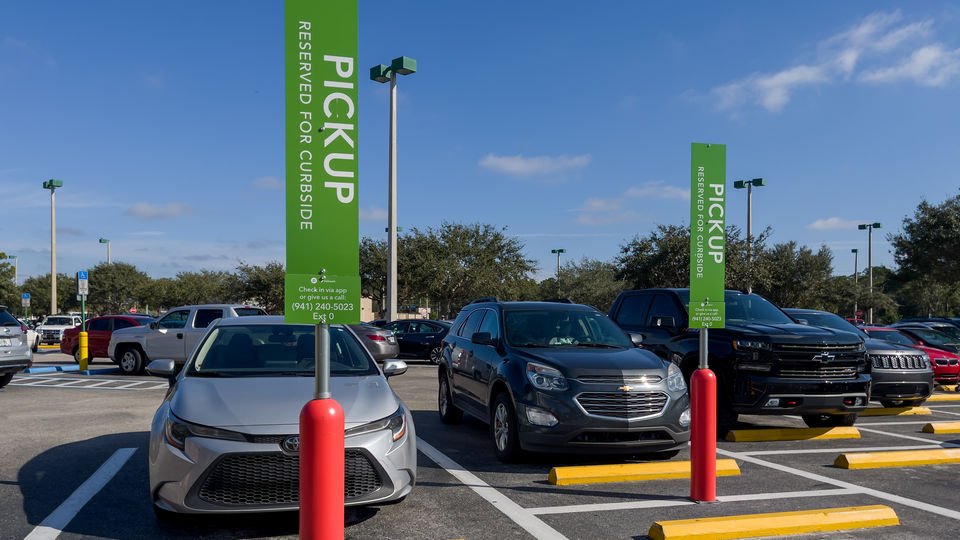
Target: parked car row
pixel 15 350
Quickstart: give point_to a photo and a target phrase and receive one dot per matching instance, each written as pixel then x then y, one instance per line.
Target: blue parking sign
pixel 25 296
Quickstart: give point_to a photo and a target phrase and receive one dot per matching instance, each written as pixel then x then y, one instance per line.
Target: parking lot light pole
pixel 107 242
pixel 558 252
pixel 382 74
pixel 869 227
pixel 52 185
pixel 856 272
pixel 740 184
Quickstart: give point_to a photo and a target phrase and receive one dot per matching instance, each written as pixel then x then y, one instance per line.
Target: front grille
pixel 602 379
pixel 814 348
pixel 898 361
pixel 607 437
pixel 818 372
pixel 625 405
pixel 274 479
pixel 267 439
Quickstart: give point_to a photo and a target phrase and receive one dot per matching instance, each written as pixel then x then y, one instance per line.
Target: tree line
pixel 446 267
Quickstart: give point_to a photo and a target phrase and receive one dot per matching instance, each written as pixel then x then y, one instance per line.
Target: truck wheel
pixel 503 429
pixel 5 378
pixel 829 420
pixel 131 361
pixel 449 413
pixel 36 344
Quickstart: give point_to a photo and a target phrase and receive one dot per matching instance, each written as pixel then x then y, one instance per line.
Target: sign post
pixel 83 288
pixel 707 275
pixel 322 282
pixel 25 302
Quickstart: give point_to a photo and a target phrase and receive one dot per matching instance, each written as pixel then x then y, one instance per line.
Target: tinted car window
pixel 890 335
pixel 633 309
pixel 664 306
pixel 122 323
pixel 490 324
pixel 99 325
pixel 746 308
pixel 59 321
pixel 176 319
pixel 828 320
pixel 555 327
pixel 472 323
pixel 204 317
pixel 249 311
pixel 6 319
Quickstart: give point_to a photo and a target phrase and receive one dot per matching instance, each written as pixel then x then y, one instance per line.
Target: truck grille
pixel 818 372
pixel 626 379
pixel 625 406
pixel 814 348
pixel 274 479
pixel 898 361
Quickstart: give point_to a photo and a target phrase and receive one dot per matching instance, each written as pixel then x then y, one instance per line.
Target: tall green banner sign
pixel 707 235
pixel 322 283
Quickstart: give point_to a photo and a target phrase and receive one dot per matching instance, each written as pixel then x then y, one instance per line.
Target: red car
pixel 98 334
pixel 946 365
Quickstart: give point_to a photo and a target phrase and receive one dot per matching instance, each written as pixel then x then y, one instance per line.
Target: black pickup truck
pixel 765 362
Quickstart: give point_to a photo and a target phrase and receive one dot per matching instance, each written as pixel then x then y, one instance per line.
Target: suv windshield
pixel 274 350
pixel 891 335
pixel 745 308
pixel 828 320
pixel 562 328
pixel 59 321
pixel 933 336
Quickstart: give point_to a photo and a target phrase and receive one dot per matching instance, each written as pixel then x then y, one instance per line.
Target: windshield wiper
pixel 210 374
pixel 599 345
pixel 532 345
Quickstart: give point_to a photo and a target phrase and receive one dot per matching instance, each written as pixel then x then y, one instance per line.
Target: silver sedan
pixel 225 439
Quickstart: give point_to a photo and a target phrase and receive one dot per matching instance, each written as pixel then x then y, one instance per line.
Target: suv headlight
pixel 176 431
pixel 675 382
pixel 750 345
pixel 545 377
pixel 396 423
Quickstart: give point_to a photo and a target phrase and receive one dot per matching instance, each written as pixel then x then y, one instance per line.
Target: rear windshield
pixel 274 350
pixel 59 321
pixel 249 311
pixel 933 336
pixel 6 319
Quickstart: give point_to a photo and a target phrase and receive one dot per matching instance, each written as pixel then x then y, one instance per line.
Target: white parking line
pixel 920 505
pixel 98 383
pixel 53 525
pixel 662 503
pixel 69 382
pixel 900 436
pixel 38 380
pixel 521 516
pixel 904 423
pixel 944 412
pixel 931 446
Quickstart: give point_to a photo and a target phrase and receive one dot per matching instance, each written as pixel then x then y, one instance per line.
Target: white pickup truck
pixel 173 336
pixel 50 331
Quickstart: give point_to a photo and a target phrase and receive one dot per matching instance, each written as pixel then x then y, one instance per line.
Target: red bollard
pixel 321 470
pixel 703 436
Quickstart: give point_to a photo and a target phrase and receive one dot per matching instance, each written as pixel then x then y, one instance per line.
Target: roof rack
pixel 483 299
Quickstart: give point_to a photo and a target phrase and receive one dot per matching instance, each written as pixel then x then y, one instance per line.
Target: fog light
pixel 540 417
pixel 685 418
pixel 773 402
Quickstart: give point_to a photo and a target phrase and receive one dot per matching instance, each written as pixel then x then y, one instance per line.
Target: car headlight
pixel 675 382
pixel 176 431
pixel 750 345
pixel 396 423
pixel 545 377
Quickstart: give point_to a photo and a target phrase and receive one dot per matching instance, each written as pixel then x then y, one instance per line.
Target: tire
pixel 503 429
pixel 76 355
pixel 131 361
pixel 5 379
pixel 435 355
pixel 449 413
pixel 36 345
pixel 829 420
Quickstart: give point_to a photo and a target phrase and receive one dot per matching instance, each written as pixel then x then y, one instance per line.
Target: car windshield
pixel 746 308
pixel 828 320
pixel 276 350
pixel 951 331
pixel 562 328
pixel 933 336
pixel 891 335
pixel 59 321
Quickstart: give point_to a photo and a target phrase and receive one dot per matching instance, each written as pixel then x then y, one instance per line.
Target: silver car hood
pixel 272 405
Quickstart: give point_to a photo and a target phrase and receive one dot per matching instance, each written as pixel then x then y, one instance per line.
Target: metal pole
pixel 870 265
pixel 108 253
pixel 392 204
pixel 558 274
pixel 53 254
pixel 16 271
pixel 321 352
pixel 856 255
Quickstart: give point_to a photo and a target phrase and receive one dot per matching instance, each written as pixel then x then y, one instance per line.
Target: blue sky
pixel 569 123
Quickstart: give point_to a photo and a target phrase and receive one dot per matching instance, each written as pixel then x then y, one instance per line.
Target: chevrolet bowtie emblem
pixel 625 388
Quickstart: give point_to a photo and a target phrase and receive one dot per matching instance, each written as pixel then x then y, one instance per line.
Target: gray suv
pixel 15 353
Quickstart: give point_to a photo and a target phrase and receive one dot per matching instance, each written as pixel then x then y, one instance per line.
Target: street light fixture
pixel 740 184
pixel 107 242
pixel 856 272
pixel 382 74
pixel 52 185
pixel 869 227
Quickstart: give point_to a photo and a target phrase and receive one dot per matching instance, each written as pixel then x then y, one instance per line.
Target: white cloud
pixel 373 214
pixel 877 35
pixel 932 65
pixel 658 190
pixel 147 233
pixel 600 211
pixel 538 165
pixel 269 182
pixel 144 210
pixel 833 223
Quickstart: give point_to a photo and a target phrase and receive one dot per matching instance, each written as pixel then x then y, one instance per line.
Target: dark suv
pixel 559 377
pixel 765 362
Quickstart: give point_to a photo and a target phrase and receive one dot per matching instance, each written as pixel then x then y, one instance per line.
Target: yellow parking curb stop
pixel 942 427
pixel 901 458
pixel 792 434
pixel 944 397
pixel 946 387
pixel 630 472
pixel 895 411
pixel 776 524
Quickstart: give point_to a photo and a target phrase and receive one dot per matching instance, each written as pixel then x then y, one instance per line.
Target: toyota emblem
pixel 291 445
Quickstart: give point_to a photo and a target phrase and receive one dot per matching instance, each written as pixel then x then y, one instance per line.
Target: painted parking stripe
pixel 897 435
pixel 38 380
pixel 69 382
pixel 919 505
pixel 931 446
pixel 941 411
pixel 53 525
pixel 685 501
pixel 521 516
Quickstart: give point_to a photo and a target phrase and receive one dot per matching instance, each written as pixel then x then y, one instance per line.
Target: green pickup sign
pixel 322 283
pixel 707 235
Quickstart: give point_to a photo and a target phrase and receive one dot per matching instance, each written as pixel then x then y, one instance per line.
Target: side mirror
pixel 637 339
pixel 394 367
pixel 482 338
pixel 803 321
pixel 154 325
pixel 163 367
pixel 664 322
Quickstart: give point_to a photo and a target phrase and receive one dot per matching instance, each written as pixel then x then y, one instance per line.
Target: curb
pixel 942 427
pixel 943 397
pixel 792 434
pixel 895 411
pixel 902 458
pixel 630 472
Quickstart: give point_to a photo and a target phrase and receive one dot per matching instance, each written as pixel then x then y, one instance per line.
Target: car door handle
pixel 179 336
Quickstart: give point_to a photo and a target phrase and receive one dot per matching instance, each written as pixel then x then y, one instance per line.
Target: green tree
pixel 156 295
pixel 9 292
pixel 114 287
pixel 373 271
pixel 206 287
pixel 39 289
pixel 591 282
pixel 798 276
pixel 929 244
pixel 263 285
